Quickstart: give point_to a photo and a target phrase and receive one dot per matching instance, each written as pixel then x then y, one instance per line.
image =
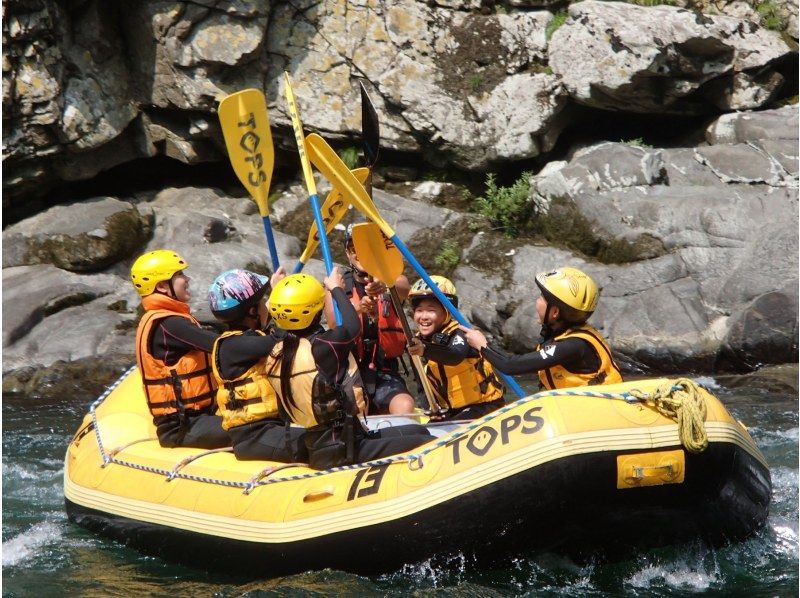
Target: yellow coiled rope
pixel 682 401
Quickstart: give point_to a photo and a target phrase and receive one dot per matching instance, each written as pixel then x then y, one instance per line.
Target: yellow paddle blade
pixel 333 210
pixel 297 125
pixel 331 166
pixel 245 126
pixel 377 254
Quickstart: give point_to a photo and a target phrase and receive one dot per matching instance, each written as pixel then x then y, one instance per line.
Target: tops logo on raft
pixel 483 439
pixel 367 482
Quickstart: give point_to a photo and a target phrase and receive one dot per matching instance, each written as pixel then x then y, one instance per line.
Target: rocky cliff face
pixel 90 85
pixel 694 245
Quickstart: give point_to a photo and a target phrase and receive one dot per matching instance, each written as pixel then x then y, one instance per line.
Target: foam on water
pixel 27 544
pixel 692 572
pixel 707 381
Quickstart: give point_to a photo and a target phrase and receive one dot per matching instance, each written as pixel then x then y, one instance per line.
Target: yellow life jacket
pixel 469 382
pixel 183 387
pixel 560 377
pixel 246 398
pixel 315 403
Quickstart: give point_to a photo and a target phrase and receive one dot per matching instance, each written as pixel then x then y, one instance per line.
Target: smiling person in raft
pixel 316 377
pixel 570 352
pixel 172 355
pixel 382 340
pixel 463 382
pixel 246 401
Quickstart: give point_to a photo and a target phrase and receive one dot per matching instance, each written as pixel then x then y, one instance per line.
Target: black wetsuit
pixel 331 350
pixel 575 354
pixel 171 339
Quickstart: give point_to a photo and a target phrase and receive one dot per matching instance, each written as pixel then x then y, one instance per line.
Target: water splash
pixel 697 571
pixel 26 545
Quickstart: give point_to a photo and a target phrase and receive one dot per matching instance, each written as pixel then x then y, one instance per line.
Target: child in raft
pixel 172 355
pixel 382 340
pixel 463 382
pixel 316 378
pixel 245 399
pixel 570 352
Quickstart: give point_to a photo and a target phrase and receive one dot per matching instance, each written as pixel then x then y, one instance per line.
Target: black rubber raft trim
pixel 570 506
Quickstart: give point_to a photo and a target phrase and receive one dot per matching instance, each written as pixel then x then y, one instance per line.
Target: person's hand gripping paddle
pixel 245 125
pixel 333 210
pixel 331 166
pixel 381 259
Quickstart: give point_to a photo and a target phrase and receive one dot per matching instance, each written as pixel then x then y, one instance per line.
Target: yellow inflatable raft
pixel 594 467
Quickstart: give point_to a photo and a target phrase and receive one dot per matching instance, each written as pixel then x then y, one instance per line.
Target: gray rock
pixel 32 293
pixel 683 169
pixel 739 163
pixel 765 331
pixel 781 123
pixel 83 237
pixel 619 56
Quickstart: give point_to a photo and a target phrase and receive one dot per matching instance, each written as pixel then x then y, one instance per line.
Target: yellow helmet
pixel 295 301
pixel 571 288
pixel 420 289
pixel 154 267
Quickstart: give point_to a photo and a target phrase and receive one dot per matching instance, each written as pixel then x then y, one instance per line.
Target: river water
pixel 44 555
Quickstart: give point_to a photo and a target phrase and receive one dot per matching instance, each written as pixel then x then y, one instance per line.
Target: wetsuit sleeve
pixel 237 354
pixel 575 354
pixel 174 336
pixel 332 348
pixel 454 352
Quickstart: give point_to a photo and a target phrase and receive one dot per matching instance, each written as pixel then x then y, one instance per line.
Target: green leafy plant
pixel 349 156
pixel 557 21
pixel 448 257
pixel 770 15
pixel 508 208
pixel 475 81
pixel 638 142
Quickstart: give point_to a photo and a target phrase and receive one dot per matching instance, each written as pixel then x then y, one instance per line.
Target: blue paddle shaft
pixel 326 250
pixel 298 267
pixel 447 304
pixel 273 251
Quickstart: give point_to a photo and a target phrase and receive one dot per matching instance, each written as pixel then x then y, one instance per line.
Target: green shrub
pixel 475 82
pixel 448 257
pixel 557 21
pixel 770 15
pixel 638 142
pixel 349 156
pixel 508 208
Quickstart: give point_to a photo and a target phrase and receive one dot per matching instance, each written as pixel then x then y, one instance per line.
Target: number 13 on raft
pixel 311 186
pixel 245 125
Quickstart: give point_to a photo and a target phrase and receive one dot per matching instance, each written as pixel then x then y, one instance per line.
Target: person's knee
pixel 401 404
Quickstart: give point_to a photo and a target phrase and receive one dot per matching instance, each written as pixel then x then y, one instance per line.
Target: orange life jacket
pixel 560 377
pixel 184 386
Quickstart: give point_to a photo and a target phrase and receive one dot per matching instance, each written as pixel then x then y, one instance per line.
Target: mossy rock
pixel 83 237
pixel 428 244
pixel 82 379
pixel 563 225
